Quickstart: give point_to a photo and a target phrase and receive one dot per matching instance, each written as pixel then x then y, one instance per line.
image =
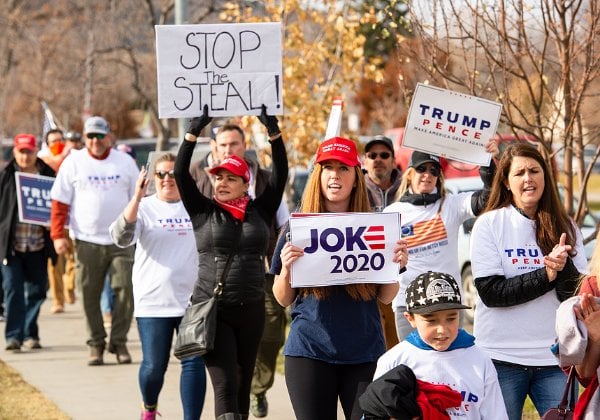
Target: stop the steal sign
pixel 344 248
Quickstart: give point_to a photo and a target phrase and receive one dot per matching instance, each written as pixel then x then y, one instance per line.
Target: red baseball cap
pixel 25 141
pixel 338 148
pixel 235 165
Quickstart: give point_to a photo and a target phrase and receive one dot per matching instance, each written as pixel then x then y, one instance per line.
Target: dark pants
pixel 271 342
pixel 94 262
pixel 315 386
pixel 231 363
pixel 25 282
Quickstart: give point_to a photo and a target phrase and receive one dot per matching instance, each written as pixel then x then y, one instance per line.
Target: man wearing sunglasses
pixel 383 180
pixel 92 187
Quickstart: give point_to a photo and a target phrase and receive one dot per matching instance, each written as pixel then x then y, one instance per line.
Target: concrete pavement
pixel 59 370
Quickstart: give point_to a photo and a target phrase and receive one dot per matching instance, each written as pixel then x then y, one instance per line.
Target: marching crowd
pixel 390 350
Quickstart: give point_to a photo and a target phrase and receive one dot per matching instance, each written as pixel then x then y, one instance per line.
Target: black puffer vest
pixel 217 232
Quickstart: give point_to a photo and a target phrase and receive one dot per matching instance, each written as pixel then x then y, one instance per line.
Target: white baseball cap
pixel 96 125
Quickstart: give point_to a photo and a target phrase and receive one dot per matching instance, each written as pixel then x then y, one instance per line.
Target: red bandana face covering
pixel 236 207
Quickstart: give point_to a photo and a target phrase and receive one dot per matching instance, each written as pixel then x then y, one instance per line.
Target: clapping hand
pixel 197 124
pixel 588 312
pixel 556 260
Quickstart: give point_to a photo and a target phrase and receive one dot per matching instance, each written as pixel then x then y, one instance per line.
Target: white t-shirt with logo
pixel 432 237
pixel 166 261
pixel 96 190
pixel 503 243
pixel 466 370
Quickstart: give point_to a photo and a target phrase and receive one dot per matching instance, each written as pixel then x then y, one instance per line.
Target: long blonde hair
pixel 313 201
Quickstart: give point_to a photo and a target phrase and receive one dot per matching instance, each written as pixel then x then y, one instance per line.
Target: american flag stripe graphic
pixel 376 235
pixel 426 232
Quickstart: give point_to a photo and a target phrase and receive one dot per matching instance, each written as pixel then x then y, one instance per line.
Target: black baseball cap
pixel 419 158
pixel 386 141
pixel 431 292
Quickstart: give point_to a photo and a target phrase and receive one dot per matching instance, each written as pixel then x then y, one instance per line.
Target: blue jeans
pixel 107 298
pixel 544 385
pixel 25 282
pixel 156 336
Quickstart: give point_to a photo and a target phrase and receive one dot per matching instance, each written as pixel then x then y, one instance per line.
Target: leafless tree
pixel 539 59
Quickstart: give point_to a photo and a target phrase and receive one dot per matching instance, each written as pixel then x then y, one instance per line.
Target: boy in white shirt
pixel 440 352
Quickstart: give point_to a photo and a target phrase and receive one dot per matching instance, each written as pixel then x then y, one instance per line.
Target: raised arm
pixel 479 198
pixel 279 172
pixel 193 200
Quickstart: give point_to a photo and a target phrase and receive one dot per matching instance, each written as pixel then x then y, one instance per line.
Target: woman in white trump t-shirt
pixel 164 272
pixel 526 255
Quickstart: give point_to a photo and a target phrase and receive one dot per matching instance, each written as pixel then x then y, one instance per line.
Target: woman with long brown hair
pixel 526 256
pixel 335 336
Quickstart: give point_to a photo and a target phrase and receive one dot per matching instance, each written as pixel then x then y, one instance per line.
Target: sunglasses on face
pixel 95 135
pixel 163 174
pixel 433 170
pixel 382 155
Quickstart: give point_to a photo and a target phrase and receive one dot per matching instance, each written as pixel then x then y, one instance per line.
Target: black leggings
pixel 314 387
pixel 231 363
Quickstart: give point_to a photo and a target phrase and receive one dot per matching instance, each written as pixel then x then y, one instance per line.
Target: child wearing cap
pixel 440 352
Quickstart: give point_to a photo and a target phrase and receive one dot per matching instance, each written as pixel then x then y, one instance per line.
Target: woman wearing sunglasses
pixel 162 231
pixel 232 227
pixel 431 219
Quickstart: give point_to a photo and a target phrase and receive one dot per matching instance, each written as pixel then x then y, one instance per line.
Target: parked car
pixel 457 185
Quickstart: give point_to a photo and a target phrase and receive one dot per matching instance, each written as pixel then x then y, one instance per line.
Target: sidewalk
pixel 60 371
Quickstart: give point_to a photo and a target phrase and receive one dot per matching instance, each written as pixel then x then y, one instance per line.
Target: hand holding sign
pixel 269 121
pixel 401 253
pixel 197 124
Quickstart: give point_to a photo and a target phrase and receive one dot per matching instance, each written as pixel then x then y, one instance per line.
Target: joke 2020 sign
pixel 233 68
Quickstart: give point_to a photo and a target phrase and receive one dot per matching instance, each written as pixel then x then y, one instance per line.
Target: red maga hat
pixel 338 148
pixel 25 141
pixel 235 165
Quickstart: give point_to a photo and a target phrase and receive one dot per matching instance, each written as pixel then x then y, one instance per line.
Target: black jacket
pixel 218 233
pixel 9 211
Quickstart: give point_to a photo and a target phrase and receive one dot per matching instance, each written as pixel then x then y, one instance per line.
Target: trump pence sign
pixel 451 124
pixel 344 248
pixel 33 198
pixel 233 68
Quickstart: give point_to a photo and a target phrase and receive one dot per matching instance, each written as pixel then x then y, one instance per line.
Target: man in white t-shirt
pixel 91 189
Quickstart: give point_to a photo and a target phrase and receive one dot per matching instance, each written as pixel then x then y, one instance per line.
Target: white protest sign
pixel 233 68
pixel 344 248
pixel 335 119
pixel 451 124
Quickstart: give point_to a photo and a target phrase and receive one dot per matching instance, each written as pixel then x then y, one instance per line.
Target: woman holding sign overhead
pixel 232 235
pixel 431 219
pixel 335 336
